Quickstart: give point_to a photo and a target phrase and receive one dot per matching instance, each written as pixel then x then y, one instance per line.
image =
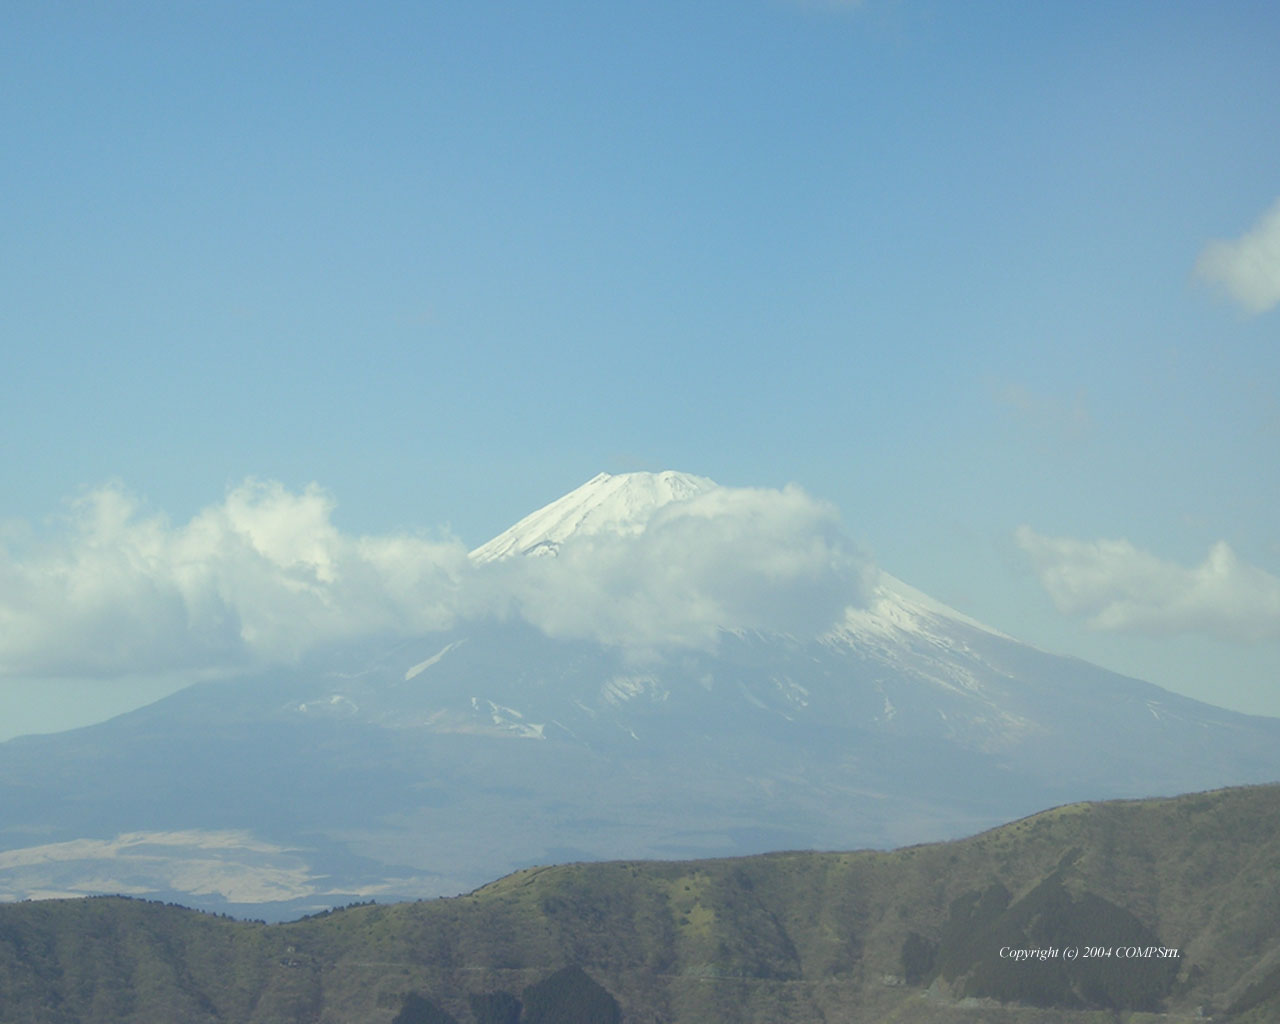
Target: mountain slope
pixel 1181 892
pixel 433 764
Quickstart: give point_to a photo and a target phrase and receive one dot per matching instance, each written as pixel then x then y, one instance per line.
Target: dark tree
pixel 570 996
pixel 495 1008
pixel 418 1009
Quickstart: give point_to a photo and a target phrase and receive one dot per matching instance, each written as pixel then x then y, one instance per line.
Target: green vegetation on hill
pixel 1132 970
pixel 925 934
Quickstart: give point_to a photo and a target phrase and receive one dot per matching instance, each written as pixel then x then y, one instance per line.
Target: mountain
pixel 539 730
pixel 1170 906
pixel 604 504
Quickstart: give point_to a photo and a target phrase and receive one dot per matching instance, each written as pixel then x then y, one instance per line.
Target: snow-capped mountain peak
pixel 455 756
pixel 625 503
pixel 619 503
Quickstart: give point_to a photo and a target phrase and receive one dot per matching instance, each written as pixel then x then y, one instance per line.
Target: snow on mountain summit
pixel 606 503
pixel 625 503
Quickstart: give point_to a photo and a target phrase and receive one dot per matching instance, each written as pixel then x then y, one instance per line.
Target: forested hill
pixel 915 934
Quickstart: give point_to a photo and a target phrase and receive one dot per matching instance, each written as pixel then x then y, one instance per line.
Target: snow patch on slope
pixel 622 689
pixel 509 720
pixel 336 705
pixel 914 635
pixel 897 608
pixel 422 666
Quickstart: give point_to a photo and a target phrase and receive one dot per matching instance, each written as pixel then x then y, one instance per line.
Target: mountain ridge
pixel 910 934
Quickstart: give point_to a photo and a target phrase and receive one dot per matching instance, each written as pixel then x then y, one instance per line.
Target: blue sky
pixel 999 281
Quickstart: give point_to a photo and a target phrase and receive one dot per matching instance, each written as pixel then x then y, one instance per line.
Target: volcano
pixel 658 676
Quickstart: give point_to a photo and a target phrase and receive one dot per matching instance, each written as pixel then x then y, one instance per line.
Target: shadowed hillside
pixel 1179 895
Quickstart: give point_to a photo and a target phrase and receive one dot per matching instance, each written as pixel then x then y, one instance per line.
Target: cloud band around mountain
pixel 732 558
pixel 266 577
pixel 1115 586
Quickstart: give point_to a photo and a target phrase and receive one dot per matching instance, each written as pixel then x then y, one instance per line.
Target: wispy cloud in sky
pixel 1248 267
pixel 1064 418
pixel 1116 586
pixel 266 577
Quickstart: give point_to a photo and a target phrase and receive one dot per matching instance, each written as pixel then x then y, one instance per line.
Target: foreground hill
pixel 1180 892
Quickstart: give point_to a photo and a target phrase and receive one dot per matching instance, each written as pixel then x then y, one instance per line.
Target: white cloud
pixel 733 558
pixel 1248 268
pixel 266 577
pixel 1115 586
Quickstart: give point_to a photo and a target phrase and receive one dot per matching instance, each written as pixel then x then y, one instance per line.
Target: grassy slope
pixel 791 937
